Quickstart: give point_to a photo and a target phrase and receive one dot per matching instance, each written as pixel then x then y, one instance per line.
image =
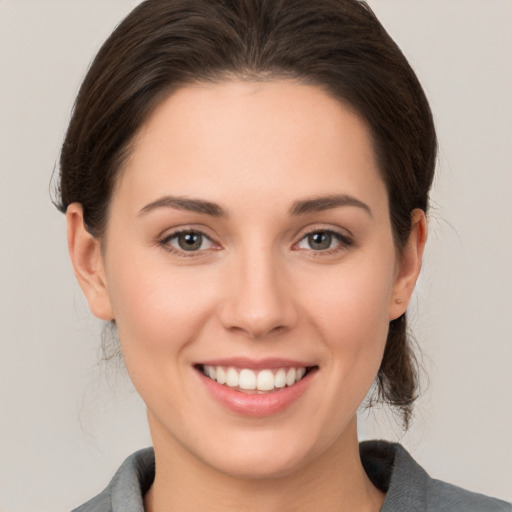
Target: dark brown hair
pixel 338 45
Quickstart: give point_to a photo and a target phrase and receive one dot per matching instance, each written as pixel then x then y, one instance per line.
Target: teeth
pixel 290 376
pixel 280 379
pixel 265 381
pixel 221 375
pixel 246 379
pixel 300 373
pixel 232 379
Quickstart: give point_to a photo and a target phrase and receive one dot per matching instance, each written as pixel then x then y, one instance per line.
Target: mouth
pixel 262 381
pixel 256 388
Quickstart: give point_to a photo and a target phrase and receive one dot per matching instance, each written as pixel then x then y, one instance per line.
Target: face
pixel 249 265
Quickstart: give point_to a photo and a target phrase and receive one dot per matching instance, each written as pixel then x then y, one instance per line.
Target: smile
pixel 256 388
pixel 250 381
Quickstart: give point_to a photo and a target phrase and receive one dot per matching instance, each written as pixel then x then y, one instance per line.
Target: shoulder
pixel 409 488
pixel 126 490
pixel 100 503
pixel 443 496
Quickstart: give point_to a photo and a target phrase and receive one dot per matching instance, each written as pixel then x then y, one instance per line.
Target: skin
pixel 256 288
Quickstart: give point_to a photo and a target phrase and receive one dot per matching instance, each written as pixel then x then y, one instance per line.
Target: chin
pixel 261 464
pixel 266 454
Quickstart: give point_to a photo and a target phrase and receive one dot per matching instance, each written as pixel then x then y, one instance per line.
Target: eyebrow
pixel 317 204
pixel 186 204
pixel 301 207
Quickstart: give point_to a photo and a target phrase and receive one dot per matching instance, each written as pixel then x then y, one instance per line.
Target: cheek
pixel 157 308
pixel 350 307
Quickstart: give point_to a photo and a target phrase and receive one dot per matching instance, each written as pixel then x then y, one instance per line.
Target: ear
pixel 87 259
pixel 409 265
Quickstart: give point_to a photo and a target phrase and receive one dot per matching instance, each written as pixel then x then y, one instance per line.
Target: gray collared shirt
pixel 407 485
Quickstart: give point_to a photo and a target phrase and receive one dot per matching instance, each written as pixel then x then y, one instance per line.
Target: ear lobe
pixel 87 260
pixel 409 265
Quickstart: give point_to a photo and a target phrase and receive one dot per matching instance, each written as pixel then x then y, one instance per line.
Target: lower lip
pixel 257 405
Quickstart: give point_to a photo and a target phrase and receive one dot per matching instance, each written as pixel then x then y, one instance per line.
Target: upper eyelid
pixel 344 239
pixel 172 232
pixel 175 234
pixel 342 232
pixel 164 243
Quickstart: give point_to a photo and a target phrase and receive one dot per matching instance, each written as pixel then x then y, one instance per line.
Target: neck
pixel 335 481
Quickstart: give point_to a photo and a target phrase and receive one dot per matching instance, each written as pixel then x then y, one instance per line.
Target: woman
pixel 245 185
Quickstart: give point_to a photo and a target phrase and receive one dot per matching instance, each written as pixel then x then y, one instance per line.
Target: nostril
pixel 257 329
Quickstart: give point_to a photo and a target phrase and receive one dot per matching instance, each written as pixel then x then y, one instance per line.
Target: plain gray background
pixel 66 423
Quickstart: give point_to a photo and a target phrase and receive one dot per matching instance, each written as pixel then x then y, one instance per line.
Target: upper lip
pixel 256 364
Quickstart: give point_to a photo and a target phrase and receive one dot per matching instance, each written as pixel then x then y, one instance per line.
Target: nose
pixel 258 298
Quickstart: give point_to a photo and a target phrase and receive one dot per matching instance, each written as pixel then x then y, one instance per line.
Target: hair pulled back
pixel 338 45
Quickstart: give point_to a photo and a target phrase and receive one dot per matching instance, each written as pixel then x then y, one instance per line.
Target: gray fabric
pixel 408 487
pixel 126 490
pixel 411 489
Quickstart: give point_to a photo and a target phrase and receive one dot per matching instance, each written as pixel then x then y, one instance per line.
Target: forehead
pixel 276 139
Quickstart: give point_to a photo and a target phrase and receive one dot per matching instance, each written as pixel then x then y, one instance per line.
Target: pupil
pixel 320 241
pixel 190 241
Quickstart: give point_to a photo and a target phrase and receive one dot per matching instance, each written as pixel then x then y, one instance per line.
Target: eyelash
pixel 165 243
pixel 344 242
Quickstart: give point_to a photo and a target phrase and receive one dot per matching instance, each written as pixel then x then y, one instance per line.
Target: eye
pixel 324 240
pixel 187 241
